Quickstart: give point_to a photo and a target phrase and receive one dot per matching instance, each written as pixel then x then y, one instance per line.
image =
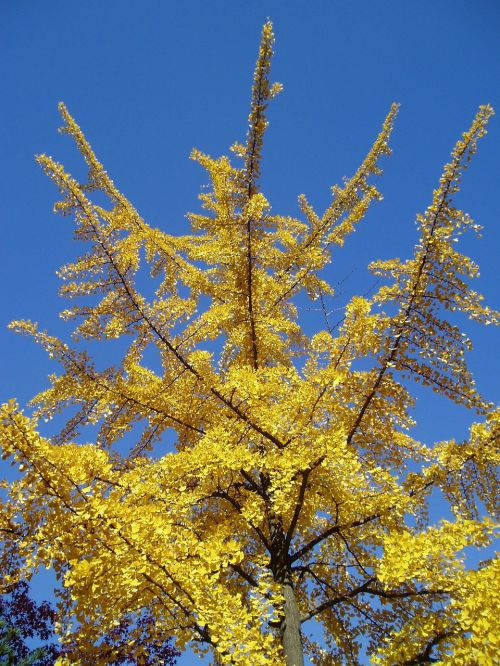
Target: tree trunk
pixel 290 628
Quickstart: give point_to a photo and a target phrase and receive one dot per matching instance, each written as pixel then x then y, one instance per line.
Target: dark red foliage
pixel 34 623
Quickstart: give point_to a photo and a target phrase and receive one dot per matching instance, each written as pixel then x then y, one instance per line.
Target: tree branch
pixel 329 532
pixel 337 600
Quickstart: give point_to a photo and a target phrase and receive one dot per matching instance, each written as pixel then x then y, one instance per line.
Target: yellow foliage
pixel 294 490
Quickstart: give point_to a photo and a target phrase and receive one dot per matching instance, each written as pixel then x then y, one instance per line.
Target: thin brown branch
pixel 329 603
pixel 335 529
pixel 298 507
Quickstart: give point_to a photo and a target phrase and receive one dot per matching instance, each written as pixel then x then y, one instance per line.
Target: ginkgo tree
pixel 295 492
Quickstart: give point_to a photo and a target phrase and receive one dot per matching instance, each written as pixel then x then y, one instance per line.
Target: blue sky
pixel 147 81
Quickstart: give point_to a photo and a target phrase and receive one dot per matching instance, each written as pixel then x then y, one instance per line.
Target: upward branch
pixel 261 94
pixel 437 229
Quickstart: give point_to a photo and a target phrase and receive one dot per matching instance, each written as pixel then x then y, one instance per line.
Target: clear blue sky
pixel 149 80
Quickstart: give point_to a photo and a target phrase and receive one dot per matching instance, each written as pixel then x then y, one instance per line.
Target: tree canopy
pixel 295 492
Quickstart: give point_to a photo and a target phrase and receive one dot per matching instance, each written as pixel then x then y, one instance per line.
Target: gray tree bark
pixel 290 628
pixel 280 565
